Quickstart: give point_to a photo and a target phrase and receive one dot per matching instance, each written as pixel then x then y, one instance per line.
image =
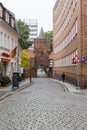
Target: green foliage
pixel 24 59
pixel 4 80
pixel 24 34
pixel 20 78
pixel 49 35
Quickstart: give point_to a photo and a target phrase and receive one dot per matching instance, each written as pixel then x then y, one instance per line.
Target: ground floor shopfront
pixel 7 67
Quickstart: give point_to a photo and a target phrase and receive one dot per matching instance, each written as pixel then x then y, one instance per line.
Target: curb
pixel 7 95
pixel 62 85
pixel 25 86
pixel 78 91
pixel 16 90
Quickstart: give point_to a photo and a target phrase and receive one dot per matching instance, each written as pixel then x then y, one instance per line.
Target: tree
pixel 49 35
pixel 24 34
pixel 25 59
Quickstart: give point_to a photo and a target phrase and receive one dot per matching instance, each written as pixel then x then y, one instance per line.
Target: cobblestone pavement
pixel 5 90
pixel 3 93
pixel 44 106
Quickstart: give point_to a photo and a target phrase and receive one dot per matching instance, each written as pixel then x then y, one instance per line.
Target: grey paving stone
pixel 2 93
pixel 44 106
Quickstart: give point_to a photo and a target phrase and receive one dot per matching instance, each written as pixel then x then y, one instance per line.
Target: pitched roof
pixel 12 15
pixel 41 35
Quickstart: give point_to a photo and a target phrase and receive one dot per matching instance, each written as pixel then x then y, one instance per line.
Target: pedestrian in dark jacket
pixel 63 77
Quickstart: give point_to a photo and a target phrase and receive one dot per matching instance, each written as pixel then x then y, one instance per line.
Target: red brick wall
pixel 42 47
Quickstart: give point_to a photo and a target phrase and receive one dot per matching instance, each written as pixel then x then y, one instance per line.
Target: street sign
pixel 75 60
pixel 84 59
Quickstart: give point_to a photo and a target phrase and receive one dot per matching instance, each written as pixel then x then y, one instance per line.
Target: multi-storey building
pixel 70 40
pixel 33 30
pixel 8 42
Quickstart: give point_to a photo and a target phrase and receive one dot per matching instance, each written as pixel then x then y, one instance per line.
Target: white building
pixel 8 42
pixel 33 30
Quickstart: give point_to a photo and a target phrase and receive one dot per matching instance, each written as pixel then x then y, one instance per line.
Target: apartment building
pixel 70 41
pixel 33 30
pixel 8 42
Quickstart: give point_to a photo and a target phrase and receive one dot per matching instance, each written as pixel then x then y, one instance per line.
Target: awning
pixel 5 54
pixel 5 57
pixel 5 60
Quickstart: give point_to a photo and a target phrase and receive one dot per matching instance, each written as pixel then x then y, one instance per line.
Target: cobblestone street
pixel 44 106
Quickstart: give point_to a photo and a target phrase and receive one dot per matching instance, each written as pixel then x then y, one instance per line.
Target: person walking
pixel 63 77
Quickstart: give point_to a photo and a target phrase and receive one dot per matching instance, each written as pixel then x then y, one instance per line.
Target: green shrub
pixel 4 79
pixel 20 78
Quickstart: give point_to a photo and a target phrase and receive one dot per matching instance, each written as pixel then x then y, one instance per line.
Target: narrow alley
pixel 44 106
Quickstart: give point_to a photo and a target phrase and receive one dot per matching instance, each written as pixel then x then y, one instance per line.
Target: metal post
pixel 78 87
pixel 30 72
pixel 18 55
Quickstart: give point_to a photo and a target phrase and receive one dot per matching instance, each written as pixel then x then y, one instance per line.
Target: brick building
pixel 40 55
pixel 41 47
pixel 70 39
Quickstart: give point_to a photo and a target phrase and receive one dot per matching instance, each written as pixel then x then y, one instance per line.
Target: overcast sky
pixel 42 10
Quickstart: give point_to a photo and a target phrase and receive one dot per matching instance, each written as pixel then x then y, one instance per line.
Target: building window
pixel 71 35
pixel 4 40
pixel 65 61
pixel 1 42
pixel 66 21
pixel 12 44
pixel 7 17
pixel 12 22
pixel 1 11
pixel 8 42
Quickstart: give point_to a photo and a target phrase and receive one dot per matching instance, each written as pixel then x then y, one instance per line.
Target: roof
pixel 31 53
pixel 51 55
pixel 41 35
pixel 12 15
